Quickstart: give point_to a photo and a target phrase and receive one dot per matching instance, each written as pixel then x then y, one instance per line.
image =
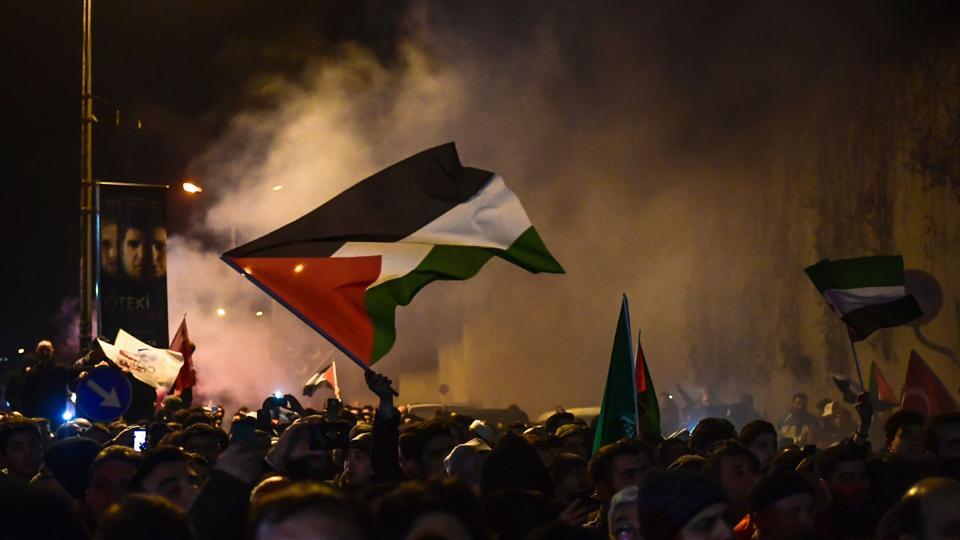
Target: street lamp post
pixel 87 208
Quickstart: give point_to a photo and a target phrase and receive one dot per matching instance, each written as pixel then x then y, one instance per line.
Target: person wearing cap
pixel 681 505
pixel 836 423
pixel 781 500
pixel 574 439
pixel 357 468
pixel 465 461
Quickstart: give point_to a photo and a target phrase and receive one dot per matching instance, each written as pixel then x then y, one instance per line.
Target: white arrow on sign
pixel 110 398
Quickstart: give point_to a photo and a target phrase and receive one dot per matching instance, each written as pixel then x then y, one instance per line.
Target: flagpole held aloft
pixel 856 362
pixel 300 316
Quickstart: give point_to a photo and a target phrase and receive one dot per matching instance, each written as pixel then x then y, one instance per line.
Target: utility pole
pixel 87 208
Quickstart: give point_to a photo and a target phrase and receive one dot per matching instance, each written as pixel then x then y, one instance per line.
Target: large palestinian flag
pixel 346 266
pixel 867 293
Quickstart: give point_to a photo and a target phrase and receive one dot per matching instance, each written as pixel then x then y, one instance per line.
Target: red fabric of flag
pixel 923 391
pixel 187 378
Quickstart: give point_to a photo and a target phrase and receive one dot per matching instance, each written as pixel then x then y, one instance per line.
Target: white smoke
pixel 683 173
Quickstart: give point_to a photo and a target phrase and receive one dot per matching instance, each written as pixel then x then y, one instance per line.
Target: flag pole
pixel 308 322
pixel 856 362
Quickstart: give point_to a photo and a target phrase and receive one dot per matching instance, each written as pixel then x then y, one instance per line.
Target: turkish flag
pixel 923 391
pixel 181 343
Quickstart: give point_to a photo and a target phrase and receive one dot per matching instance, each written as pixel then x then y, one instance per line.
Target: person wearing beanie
pixel 66 466
pixel 781 500
pixel 679 504
pixel 710 431
pixel 760 437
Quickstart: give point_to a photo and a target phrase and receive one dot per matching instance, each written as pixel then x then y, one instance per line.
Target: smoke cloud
pixel 695 158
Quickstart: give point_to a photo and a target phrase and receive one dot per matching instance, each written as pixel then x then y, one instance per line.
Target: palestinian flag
pixel 880 389
pixel 646 394
pixel 867 293
pixel 345 267
pixel 618 410
pixel 324 376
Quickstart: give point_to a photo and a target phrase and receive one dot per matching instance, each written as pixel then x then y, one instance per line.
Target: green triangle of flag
pixel 618 410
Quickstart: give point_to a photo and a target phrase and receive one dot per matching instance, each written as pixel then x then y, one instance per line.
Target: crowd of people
pixel 283 471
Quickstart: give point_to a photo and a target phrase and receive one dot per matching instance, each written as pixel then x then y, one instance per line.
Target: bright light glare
pixel 190 187
pixel 21 351
pixel 259 314
pixel 221 312
pixel 68 415
pixel 298 268
pixel 277 187
pixel 278 394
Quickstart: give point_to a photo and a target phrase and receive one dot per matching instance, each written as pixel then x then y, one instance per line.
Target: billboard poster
pixel 132 255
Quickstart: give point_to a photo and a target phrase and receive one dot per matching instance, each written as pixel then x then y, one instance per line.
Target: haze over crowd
pixel 698 176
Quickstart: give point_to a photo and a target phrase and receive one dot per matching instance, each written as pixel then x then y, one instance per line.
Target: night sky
pixel 178 66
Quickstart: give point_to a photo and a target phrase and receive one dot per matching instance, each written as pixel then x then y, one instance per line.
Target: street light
pixel 190 187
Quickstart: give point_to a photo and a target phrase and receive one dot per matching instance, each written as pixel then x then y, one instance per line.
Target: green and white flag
pixel 868 293
pixel 618 411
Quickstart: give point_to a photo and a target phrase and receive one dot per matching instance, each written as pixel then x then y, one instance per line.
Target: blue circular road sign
pixel 104 394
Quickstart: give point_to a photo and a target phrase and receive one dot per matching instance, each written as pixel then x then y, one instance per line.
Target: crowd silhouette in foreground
pixel 379 472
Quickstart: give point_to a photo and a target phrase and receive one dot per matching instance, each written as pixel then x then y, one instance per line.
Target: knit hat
pixel 777 484
pixel 69 461
pixel 710 431
pixel 668 499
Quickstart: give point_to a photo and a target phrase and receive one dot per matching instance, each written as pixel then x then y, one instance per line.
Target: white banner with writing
pixel 156 367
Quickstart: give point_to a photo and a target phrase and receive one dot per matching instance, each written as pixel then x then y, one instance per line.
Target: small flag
pixel 851 390
pixel 325 376
pixel 345 267
pixel 867 293
pixel 646 394
pixel 880 389
pixel 187 377
pixel 618 410
pixel 923 391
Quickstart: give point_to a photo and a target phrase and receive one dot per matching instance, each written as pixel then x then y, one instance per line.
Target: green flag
pixel 618 411
pixel 646 394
